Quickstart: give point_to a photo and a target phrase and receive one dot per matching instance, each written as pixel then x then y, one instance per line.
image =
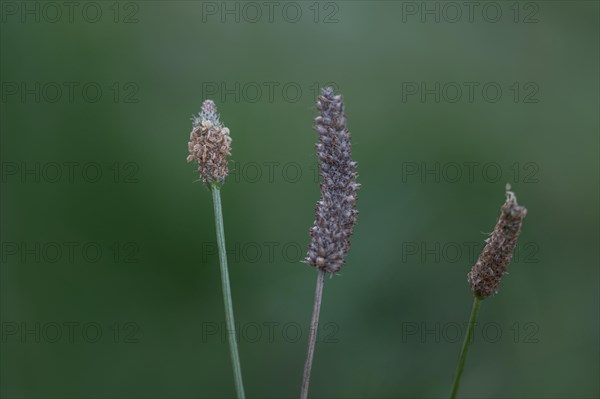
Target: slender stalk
pixel 231 334
pixel 465 347
pixel 312 338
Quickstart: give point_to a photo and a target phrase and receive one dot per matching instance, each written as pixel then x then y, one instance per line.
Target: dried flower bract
pixel 485 276
pixel 335 213
pixel 209 145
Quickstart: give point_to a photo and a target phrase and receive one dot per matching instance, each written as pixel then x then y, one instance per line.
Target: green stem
pixel 312 338
pixel 465 347
pixel 231 334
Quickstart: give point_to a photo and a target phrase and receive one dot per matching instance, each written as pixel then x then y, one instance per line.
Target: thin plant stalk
pixel 465 348
pixel 312 339
pixel 231 333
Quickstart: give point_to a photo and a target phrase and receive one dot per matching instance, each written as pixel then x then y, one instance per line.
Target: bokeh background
pixel 110 284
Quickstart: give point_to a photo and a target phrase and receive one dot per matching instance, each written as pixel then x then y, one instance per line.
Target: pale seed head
pixel 209 145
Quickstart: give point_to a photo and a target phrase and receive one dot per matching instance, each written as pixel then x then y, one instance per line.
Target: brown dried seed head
pixel 335 212
pixel 209 145
pixel 493 262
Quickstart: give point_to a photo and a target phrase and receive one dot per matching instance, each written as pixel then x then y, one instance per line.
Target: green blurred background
pixel 143 317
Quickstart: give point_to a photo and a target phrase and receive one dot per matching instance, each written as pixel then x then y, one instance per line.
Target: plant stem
pixel 231 334
pixel 312 338
pixel 465 347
